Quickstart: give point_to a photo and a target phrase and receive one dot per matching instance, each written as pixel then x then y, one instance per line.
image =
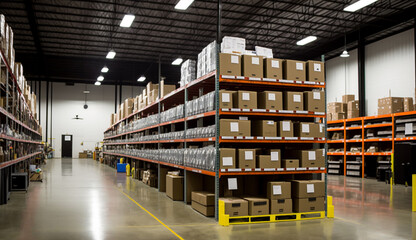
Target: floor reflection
pixel 66 167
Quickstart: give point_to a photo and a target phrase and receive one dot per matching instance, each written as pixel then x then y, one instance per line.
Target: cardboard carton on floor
pixel 227 157
pixel 226 98
pixel 273 68
pixel 315 71
pixel 257 206
pixel 290 163
pixel 286 129
pixel 264 128
pixel 235 207
pixel 230 64
pixel 308 188
pixel 293 101
pixel 279 190
pixel 313 204
pixel 246 158
pixel 208 211
pixel 174 187
pixel 252 66
pixel 203 197
pixel 270 100
pixel 294 70
pixel 245 99
pixel 281 206
pixel 314 101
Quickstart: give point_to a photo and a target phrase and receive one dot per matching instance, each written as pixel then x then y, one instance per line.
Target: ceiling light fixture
pixel 306 40
pixel 177 61
pixel 358 5
pixel 97 83
pixel 127 20
pixel 111 54
pixel 345 54
pixel 141 78
pixel 183 4
pixel 104 69
pixel 100 78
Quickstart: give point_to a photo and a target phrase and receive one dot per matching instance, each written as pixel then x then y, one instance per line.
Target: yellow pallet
pixel 226 220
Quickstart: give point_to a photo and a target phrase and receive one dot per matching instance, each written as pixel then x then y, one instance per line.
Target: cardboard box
pixel 174 187
pixel 82 155
pixel 227 158
pixel 252 66
pixel 245 99
pixel 353 105
pixel 273 68
pixel 314 101
pixel 390 105
pixel 234 127
pixel 265 161
pixel 294 101
pixel 226 98
pixel 316 71
pixel 308 188
pixel 246 158
pixel 165 89
pixel 335 107
pixel 265 128
pixel 235 207
pixel 337 116
pixel 230 64
pixel 280 206
pixel 307 129
pixel 290 163
pixel 257 206
pixel 347 98
pixel 270 100
pixel 294 70
pixel 203 198
pixel 279 190
pixel 286 129
pixel 353 114
pixel 314 204
pixel 407 104
pixel 208 211
pixel 150 86
pixel 309 158
pixel 128 106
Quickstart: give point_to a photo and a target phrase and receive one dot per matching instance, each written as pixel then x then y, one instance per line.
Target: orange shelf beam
pixel 379 125
pixel 269 172
pixel 379 140
pixel 334 129
pixel 282 83
pixel 335 141
pixel 335 153
pixel 354 128
pixel 377 154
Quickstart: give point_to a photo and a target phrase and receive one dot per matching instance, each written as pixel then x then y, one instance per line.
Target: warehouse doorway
pixel 66 146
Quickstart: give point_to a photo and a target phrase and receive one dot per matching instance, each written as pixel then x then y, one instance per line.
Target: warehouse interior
pixel 217 119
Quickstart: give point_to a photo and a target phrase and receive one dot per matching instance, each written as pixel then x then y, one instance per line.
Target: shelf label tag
pixel 232 184
pixel 310 188
pixel 277 190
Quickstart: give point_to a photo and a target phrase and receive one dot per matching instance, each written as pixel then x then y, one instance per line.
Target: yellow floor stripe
pixel 144 209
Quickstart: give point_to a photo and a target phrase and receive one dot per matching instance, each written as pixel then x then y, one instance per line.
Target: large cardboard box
pixel 227 158
pixel 307 129
pixel 314 101
pixel 252 66
pixel 235 207
pixel 353 114
pixel 353 105
pixel 294 70
pixel 265 128
pixel 335 107
pixel 286 129
pixel 273 68
pixel 246 158
pixel 407 104
pixel 234 127
pixel 337 116
pixel 316 71
pixel 165 89
pixel 226 98
pixel 390 105
pixel 309 158
pixel 128 106
pixel 208 211
pixel 290 163
pixel 270 100
pixel 265 161
pixel 230 64
pixel 174 187
pixel 313 204
pixel 347 98
pixel 203 198
pixel 257 206
pixel 294 101
pixel 308 188
pixel 275 155
pixel 150 86
pixel 153 96
pixel 245 99
pixel 279 190
pixel 280 206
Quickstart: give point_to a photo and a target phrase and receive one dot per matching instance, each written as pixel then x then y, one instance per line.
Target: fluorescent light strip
pixel 104 69
pixel 177 61
pixel 183 4
pixel 100 78
pixel 127 20
pixel 306 40
pixel 141 79
pixel 111 54
pixel 358 5
pixel 97 83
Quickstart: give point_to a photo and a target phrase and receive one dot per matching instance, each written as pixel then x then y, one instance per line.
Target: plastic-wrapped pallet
pixel 188 72
pixel 233 45
pixel 264 52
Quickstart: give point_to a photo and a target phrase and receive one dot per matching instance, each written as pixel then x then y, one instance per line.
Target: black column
pixel 47 110
pixel 361 74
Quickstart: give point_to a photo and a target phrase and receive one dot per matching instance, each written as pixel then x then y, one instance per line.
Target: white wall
pixel 342 77
pixel 389 65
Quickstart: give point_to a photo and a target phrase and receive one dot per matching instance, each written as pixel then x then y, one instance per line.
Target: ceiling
pixel 67 41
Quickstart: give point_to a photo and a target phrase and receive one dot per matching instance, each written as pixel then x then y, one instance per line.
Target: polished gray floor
pixel 83 199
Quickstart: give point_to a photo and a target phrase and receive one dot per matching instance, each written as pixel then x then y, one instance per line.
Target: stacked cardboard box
pixel 234 127
pixel 207 59
pixel 188 72
pixel 390 105
pixel 203 202
pixel 149 177
pixel 341 110
pixel 174 187
pixel 308 158
pixel 165 89
pixel 353 109
pixel 279 195
pixel 308 195
pixel 235 207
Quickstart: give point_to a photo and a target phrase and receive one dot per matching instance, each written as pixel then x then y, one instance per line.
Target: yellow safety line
pixel 152 215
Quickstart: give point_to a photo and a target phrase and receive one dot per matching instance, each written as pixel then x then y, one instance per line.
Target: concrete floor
pixel 82 199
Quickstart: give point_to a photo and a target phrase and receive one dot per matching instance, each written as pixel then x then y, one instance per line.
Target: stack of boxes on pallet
pixel 348 108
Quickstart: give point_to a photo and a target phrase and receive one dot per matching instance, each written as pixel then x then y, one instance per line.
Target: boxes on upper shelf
pixel 265 161
pixel 293 101
pixel 235 207
pixel 286 129
pixel 188 72
pixel 267 53
pixel 230 64
pixel 390 105
pixel 347 98
pixel 308 129
pixel 265 128
pixel 246 158
pixel 270 100
pixel 165 89
pixel 227 158
pixel 290 163
pixel 226 99
pixel 408 104
pixel 294 70
pixel 314 101
pixel 245 99
pixel 252 66
pixel 233 45
pixel 234 127
pixel 273 68
pixel 309 158
pixel 315 71
pixel 128 106
pixel 207 60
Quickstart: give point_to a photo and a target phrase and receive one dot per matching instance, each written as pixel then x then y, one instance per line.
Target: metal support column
pixel 325 147
pixel 361 74
pixel 39 100
pixel 51 112
pixel 120 93
pixel 115 99
pixel 158 120
pixel 47 110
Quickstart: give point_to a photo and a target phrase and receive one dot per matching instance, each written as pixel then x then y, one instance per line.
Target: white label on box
pixel 232 184
pixel 317 95
pixel 277 190
pixel 321 127
pixel 234 127
pixel 246 96
pixel 310 188
pixel 234 59
pixel 408 129
pixel 271 97
pixel 286 126
pixel 274 156
pixel 248 155
pixel 296 98
pixel 225 97
pixel 255 60
pixel 275 64
pixel 270 122
pixel 323 152
pixel 299 66
pixel 242 118
pixel 305 128
pixel 311 155
pixel 317 67
pixel 227 161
